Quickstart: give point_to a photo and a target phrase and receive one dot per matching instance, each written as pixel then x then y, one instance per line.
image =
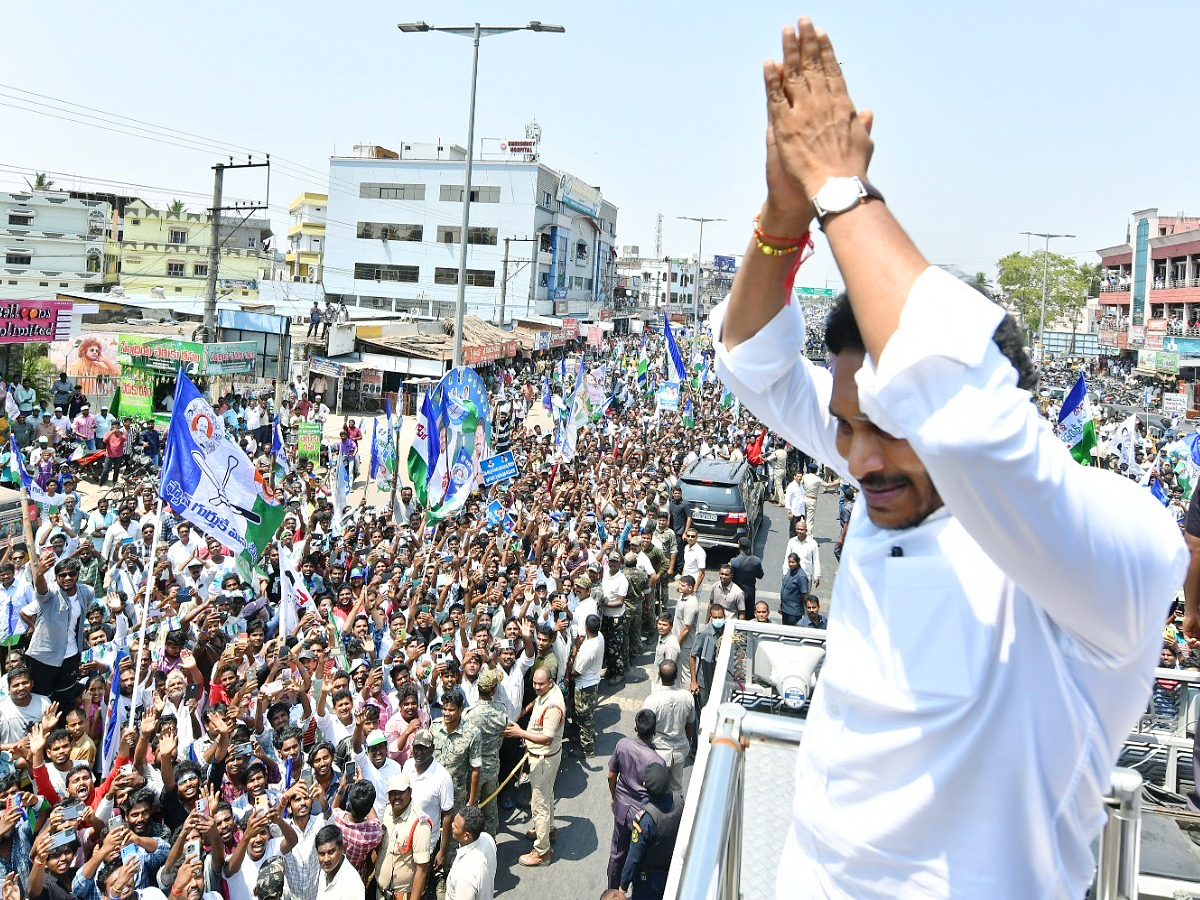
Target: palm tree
pixel 41 182
pixel 176 208
pixel 1092 276
pixel 981 281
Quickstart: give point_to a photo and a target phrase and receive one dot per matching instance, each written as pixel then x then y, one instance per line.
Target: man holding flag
pixel 426 450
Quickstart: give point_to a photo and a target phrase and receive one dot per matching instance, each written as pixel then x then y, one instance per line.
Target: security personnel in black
pixel 655 827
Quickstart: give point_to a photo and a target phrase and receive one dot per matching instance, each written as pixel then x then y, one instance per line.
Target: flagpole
pixel 137 676
pixel 395 475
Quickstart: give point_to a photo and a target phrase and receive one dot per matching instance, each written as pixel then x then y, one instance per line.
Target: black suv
pixel 726 501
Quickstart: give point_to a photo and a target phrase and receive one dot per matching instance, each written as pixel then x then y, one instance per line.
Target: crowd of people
pixel 435 678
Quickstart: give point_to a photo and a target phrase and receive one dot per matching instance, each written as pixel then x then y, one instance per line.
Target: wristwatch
pixel 840 194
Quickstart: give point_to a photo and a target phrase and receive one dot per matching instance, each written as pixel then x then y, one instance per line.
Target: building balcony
pixel 316 229
pixel 1114 289
pixel 1176 291
pixel 1170 284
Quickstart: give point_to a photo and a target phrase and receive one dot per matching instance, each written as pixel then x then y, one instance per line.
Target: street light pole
pixel 475 32
pixel 1045 282
pixel 699 251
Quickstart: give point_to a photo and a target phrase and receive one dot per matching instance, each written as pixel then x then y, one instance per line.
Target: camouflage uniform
pixel 670 544
pixel 489 719
pixel 654 605
pixel 456 751
pixel 639 587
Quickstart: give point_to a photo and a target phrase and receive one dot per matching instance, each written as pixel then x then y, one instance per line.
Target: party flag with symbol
pixel 689 420
pixel 426 448
pixel 210 481
pixel 675 367
pixel 278 450
pixel 32 488
pixel 1075 426
pixel 112 731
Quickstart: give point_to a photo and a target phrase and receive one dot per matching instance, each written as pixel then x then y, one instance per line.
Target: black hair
pixel 473 822
pixel 841 333
pixel 360 797
pixel 332 834
pixel 455 697
pixel 645 723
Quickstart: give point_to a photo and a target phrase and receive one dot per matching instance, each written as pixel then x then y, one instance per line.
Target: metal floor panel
pixel 766 815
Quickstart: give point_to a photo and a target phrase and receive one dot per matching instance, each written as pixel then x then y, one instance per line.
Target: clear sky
pixel 991 118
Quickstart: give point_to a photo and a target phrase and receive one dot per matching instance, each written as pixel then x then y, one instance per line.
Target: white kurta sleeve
pixel 787 392
pixel 1099 554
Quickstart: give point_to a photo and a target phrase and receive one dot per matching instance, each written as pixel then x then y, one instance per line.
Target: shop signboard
pixel 511 348
pixel 1122 340
pixel 482 353
pixel 159 354
pixel 595 335
pixel 541 341
pixel 1156 326
pixel 308 441
pixel 1174 404
pixel 1154 340
pixel 1137 335
pixel 319 365
pixel 1107 338
pixel 229 358
pixel 34 321
pixel 579 195
pixel 570 329
pixel 372 382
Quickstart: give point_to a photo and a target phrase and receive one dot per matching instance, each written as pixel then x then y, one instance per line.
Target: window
pixel 200 270
pixel 481 277
pixel 135 221
pixel 581 252
pixel 179 290
pixel 544 243
pixel 177 236
pixel 674 297
pixel 674 277
pixel 18 257
pixel 452 234
pixel 252 242
pixel 483 194
pixel 64 284
pixel 544 279
pixel 387 191
pixel 387 231
pixel 23 217
pixel 587 284
pixel 380 272
pixel 547 200
pixel 442 275
pixel 176 269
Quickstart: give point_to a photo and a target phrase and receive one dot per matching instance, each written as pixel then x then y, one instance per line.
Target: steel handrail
pixel 1118 857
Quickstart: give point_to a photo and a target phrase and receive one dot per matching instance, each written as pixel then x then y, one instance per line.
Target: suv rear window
pixel 713 494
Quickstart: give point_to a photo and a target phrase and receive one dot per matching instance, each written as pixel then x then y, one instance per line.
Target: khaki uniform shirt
pixel 398 863
pixel 549 717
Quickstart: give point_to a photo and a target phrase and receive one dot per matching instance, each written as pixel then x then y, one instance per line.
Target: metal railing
pixel 712 868
pixel 1118 856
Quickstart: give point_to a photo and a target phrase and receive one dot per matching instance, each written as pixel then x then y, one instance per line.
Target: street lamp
pixel 1045 279
pixel 475 32
pixel 696 283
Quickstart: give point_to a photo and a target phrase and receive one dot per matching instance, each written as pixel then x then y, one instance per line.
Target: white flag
pixel 1124 447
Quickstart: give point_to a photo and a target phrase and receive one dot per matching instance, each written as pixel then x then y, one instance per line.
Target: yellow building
pixel 170 251
pixel 306 237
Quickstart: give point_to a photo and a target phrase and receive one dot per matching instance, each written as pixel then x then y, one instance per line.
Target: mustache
pixel 883 482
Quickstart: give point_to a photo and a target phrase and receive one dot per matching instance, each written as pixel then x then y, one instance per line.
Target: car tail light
pixel 735 518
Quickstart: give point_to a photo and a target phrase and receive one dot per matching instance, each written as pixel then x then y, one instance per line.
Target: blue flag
pixel 373 470
pixel 209 480
pixel 278 450
pixel 547 397
pixel 1160 495
pixel 675 368
pixel 32 488
pixel 112 732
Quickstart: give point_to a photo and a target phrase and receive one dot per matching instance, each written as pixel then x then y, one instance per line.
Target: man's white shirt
pixel 983 618
pixel 810 556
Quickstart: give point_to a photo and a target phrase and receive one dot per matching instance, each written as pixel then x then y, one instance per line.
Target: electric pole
pixel 214 250
pixel 503 281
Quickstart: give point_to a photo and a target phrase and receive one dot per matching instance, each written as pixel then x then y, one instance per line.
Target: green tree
pixel 1021 275
pixel 177 208
pixel 41 182
pixel 983 283
pixel 1093 275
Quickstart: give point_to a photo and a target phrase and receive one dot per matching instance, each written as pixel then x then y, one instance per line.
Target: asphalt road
pixel 583 815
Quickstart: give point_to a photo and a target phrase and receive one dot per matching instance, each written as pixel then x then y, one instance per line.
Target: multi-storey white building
pixel 51 243
pixel 394 227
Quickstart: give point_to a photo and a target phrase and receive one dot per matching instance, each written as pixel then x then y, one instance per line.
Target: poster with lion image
pixel 90 360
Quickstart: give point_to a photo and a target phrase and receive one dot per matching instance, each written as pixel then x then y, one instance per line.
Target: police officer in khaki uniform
pixel 543 743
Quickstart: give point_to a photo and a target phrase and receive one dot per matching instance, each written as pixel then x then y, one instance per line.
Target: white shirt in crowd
pixel 473 875
pixel 589 660
pixel 810 556
pixel 981 619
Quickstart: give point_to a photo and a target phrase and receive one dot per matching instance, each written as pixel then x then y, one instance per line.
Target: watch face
pixel 838 194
